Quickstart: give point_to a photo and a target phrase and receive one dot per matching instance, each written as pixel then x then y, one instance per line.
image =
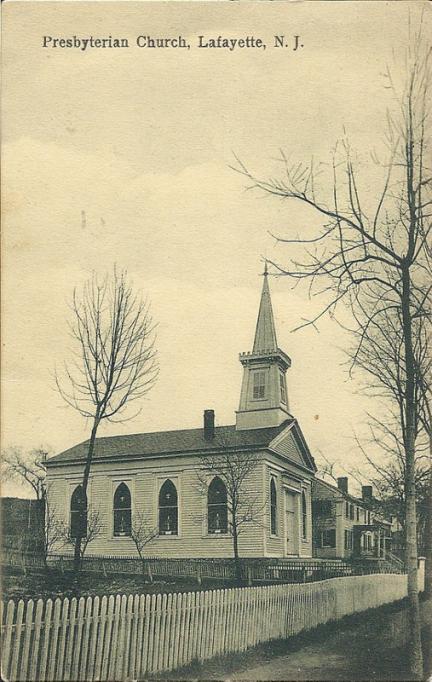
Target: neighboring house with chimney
pixel 155 474
pixel 345 526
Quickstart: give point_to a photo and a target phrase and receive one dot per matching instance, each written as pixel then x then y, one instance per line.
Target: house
pixel 345 526
pixel 157 474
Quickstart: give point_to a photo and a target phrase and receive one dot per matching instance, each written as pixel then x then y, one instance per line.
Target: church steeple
pixel 265 332
pixel 264 398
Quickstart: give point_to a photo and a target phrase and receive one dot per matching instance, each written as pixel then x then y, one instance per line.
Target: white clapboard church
pixel 155 474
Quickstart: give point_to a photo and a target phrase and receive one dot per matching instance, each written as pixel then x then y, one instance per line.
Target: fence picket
pixel 152 624
pixel 78 635
pixel 143 652
pixel 100 639
pixel 167 633
pixel 177 634
pixel 62 643
pixel 112 651
pixel 27 636
pixel 93 640
pixel 107 649
pixel 71 637
pixel 7 635
pixel 85 639
pixel 34 656
pixel 130 670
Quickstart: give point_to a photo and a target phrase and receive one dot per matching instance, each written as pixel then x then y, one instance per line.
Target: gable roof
pixel 143 445
pixel 292 444
pixel 334 491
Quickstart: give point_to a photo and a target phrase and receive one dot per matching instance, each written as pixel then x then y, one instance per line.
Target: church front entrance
pixel 291 523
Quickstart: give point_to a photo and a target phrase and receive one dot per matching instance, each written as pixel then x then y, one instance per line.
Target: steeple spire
pixel 264 397
pixel 265 332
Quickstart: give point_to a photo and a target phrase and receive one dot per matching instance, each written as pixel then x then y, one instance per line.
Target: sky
pixel 124 156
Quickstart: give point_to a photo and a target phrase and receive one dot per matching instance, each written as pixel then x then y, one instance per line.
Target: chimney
pixel 209 427
pixel 342 484
pixel 367 493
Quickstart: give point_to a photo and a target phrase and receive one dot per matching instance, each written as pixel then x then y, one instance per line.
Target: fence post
pixel 198 572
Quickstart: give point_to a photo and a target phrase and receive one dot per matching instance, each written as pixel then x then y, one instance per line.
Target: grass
pixel 53 583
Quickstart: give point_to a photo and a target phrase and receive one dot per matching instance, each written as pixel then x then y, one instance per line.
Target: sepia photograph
pixel 216 450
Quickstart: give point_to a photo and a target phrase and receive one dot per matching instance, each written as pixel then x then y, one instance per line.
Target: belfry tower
pixel 264 397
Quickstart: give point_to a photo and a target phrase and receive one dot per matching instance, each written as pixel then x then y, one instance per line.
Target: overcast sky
pixel 123 156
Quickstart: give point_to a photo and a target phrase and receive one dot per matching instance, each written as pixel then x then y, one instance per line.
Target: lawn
pixel 54 583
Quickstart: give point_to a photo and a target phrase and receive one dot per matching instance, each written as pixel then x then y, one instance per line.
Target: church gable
pixel 291 444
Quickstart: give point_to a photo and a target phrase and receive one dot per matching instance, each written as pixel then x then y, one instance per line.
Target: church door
pixel 291 523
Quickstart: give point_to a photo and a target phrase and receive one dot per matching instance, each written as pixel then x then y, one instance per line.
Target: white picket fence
pixel 130 637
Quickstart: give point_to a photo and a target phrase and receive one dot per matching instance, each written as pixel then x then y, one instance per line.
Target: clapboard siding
pixel 144 481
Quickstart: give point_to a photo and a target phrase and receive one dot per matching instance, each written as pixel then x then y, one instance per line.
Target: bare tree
pixel 142 534
pixel 233 468
pixel 48 530
pixel 375 250
pixel 93 528
pixel 114 357
pixel 27 468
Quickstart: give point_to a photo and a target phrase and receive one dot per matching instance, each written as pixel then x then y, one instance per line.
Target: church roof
pixel 158 443
pixel 265 333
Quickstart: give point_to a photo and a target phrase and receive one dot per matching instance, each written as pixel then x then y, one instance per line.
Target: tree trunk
pixel 237 562
pixel 415 649
pixel 89 458
pixel 428 533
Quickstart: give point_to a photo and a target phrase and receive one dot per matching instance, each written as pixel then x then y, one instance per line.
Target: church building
pixel 157 476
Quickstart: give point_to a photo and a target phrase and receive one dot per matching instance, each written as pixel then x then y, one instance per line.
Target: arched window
pixel 122 510
pixel 273 507
pixel 168 509
pixel 304 515
pixel 78 513
pixel 217 512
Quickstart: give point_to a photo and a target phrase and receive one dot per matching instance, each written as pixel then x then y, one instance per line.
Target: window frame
pixel 304 515
pixel 328 546
pixel 174 482
pixel 282 389
pixel 115 509
pixel 73 488
pixel 217 532
pixel 273 508
pixel 259 387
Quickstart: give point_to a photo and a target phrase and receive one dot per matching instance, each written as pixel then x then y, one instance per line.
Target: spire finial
pixel 265 273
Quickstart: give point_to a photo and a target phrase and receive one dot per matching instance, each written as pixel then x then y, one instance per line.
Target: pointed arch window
pixel 217 508
pixel 168 509
pixel 273 507
pixel 122 508
pixel 78 513
pixel 304 515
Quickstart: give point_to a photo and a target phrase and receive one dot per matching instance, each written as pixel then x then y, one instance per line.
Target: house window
pixel 304 515
pixel 358 513
pixel 368 518
pixel 217 511
pixel 168 509
pixel 259 385
pixel 122 509
pixel 347 509
pixel 273 507
pixel 282 388
pixel 352 512
pixel 348 539
pixel 78 513
pixel 328 537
